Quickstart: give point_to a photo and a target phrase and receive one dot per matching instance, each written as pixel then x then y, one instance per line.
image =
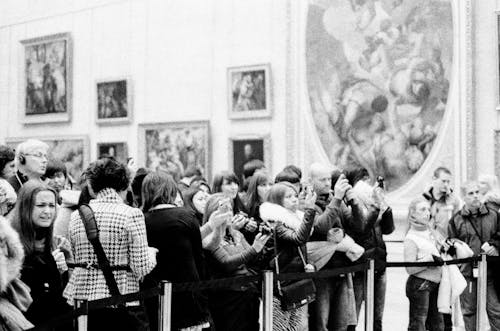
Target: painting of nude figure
pixel 378 77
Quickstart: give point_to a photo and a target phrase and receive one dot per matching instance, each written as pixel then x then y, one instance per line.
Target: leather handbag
pixel 129 318
pixel 298 293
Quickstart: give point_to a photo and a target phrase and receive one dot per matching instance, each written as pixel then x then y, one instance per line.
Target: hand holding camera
pixel 260 241
pixel 341 187
pixel 251 225
pixel 239 221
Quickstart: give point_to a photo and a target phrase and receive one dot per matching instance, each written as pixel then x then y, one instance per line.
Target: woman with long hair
pixel 422 285
pixel 226 182
pixel 236 307
pixel 291 232
pixel 175 232
pixel 258 186
pixel 44 269
pixel 195 199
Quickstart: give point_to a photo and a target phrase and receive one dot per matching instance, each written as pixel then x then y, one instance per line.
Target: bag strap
pixel 88 218
pixel 302 256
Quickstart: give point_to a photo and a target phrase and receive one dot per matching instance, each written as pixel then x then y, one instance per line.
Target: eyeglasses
pixel 38 155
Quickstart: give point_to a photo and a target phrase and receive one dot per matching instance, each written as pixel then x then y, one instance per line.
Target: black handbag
pixel 131 318
pixel 298 293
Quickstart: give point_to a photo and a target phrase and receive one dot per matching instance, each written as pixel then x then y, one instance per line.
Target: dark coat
pixel 176 234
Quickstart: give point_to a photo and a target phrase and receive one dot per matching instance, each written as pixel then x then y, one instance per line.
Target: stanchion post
pixel 482 281
pixel 267 300
pixel 165 306
pixel 82 320
pixel 370 295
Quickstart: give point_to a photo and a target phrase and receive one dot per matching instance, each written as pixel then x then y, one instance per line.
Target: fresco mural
pixel 378 76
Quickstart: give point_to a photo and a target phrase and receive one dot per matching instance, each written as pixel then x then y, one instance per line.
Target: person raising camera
pixel 235 308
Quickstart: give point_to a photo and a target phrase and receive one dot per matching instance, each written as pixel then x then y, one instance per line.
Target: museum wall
pixel 175 53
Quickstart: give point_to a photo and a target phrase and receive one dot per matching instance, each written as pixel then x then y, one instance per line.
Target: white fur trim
pixel 11 254
pixel 273 212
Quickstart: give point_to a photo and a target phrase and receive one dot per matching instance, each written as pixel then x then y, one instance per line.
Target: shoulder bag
pixel 298 293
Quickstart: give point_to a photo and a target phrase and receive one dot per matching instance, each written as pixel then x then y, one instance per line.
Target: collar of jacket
pixel 483 210
pixel 429 195
pixel 108 195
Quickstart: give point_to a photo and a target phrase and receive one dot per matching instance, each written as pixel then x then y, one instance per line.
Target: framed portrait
pixel 175 147
pixel 46 79
pixel 114 101
pixel 249 91
pixel 72 150
pixel 117 150
pixel 243 149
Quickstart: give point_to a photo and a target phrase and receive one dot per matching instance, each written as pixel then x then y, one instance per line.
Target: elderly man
pixel 31 162
pixel 479 227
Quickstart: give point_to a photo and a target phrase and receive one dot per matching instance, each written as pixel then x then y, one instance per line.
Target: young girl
pixel 423 284
pixel 44 269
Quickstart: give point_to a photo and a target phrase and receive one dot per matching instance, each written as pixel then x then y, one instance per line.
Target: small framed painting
pixel 114 101
pixel 249 91
pixel 115 150
pixel 243 149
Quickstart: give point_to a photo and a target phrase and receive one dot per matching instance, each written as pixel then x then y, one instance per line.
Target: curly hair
pixel 108 173
pixel 7 155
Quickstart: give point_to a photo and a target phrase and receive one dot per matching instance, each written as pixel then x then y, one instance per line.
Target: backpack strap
pixel 88 218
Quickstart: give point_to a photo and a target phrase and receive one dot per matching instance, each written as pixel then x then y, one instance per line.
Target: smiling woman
pixel 45 265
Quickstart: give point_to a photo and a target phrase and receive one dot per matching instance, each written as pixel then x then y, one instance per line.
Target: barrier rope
pixel 240 281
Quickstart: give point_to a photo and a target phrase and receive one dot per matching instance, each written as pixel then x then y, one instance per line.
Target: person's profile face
pixel 9 170
pixel 200 201
pixel 290 200
pixel 36 161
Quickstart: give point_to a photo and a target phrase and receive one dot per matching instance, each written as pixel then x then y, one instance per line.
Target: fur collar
pixel 11 254
pixel 273 212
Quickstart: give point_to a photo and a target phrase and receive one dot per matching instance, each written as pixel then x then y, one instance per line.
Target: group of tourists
pixel 121 230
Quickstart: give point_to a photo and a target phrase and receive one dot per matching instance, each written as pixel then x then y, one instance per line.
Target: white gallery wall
pixel 175 53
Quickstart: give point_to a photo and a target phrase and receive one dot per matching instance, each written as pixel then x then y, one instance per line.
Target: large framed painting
pixel 117 150
pixel 176 146
pixel 243 149
pixel 46 79
pixel 249 91
pixel 72 150
pixel 114 101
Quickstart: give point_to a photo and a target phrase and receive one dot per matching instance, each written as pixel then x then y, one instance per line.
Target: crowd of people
pixel 151 227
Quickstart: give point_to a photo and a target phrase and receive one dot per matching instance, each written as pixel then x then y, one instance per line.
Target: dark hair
pixel 137 184
pixel 287 176
pixel 356 174
pixel 253 201
pixel 198 181
pixel 379 104
pixel 295 169
pixel 192 171
pixel 229 177
pixel 85 196
pixel 22 221
pixel 108 173
pixel 277 192
pixel 188 201
pixel 335 176
pixel 440 170
pixel 222 176
pixel 251 166
pixel 54 166
pixel 158 188
pixel 6 155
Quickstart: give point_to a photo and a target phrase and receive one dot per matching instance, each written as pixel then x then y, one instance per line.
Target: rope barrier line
pixel 431 264
pixel 240 280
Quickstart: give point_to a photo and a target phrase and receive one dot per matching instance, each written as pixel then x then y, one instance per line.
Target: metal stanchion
pixel 482 281
pixel 370 295
pixel 82 320
pixel 165 306
pixel 267 301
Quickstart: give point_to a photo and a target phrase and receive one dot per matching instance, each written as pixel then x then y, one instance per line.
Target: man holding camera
pixel 331 309
pixel 479 227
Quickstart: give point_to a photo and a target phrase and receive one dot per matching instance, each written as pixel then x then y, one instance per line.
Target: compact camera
pixel 265 228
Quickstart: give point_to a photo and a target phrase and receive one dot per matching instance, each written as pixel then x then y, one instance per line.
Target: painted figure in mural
pixel 378 76
pixel 249 91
